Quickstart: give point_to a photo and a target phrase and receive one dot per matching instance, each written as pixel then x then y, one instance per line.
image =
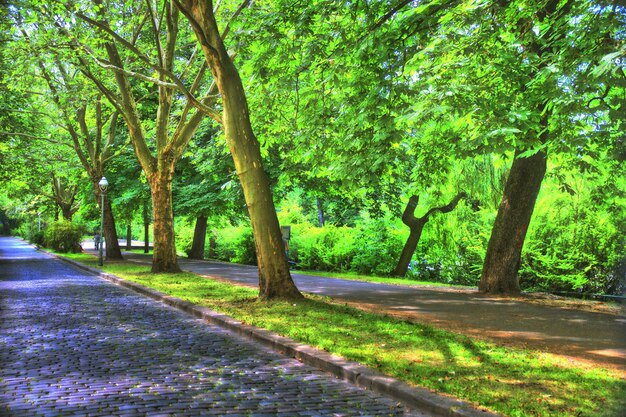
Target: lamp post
pixel 103 184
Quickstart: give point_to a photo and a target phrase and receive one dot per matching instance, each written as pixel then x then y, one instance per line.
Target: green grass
pixel 514 382
pixel 376 279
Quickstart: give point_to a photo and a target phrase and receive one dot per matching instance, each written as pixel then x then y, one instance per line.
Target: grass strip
pixel 514 382
pixel 376 279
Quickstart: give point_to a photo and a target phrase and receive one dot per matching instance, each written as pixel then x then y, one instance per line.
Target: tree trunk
pixel 66 211
pixel 502 260
pixel 212 246
pixel 320 212
pixel 416 225
pixel 274 278
pixel 129 237
pixel 146 229
pixel 199 239
pixel 409 250
pixel 112 247
pixel 164 253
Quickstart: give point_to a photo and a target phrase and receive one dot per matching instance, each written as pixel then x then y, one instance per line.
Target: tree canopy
pixel 333 114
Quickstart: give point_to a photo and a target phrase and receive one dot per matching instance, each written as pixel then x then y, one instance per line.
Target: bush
pixel 184 239
pixel 378 244
pixel 576 246
pixel 235 244
pixel 31 232
pixel 330 248
pixel 63 236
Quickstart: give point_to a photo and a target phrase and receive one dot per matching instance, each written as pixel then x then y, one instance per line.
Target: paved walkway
pixel 596 336
pixel 72 344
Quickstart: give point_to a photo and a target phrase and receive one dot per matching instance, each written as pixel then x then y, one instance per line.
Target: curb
pixel 350 371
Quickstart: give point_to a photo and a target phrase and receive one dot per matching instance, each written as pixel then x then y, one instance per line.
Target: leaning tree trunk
pixel 504 250
pixel 274 278
pixel 164 254
pixel 199 239
pixel 416 225
pixel 408 250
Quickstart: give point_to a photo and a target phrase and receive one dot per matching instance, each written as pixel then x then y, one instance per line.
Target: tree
pixel 274 278
pixel 85 121
pixel 129 53
pixel 205 186
pixel 416 224
pixel 508 78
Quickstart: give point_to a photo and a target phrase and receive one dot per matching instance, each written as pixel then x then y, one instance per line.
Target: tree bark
pixel 129 237
pixel 320 212
pixel 416 225
pixel 504 250
pixel 274 278
pixel 199 238
pixel 212 246
pixel 164 254
pixel 112 247
pixel 408 250
pixel 146 229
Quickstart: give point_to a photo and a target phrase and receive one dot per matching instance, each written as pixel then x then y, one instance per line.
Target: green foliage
pixel 330 248
pixel 576 245
pixel 184 239
pixel 63 236
pixel 378 246
pixel 30 231
pixel 235 244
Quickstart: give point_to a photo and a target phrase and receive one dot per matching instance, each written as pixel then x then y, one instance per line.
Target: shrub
pixel 64 236
pixel 184 239
pixel 235 244
pixel 329 248
pixel 575 246
pixel 378 245
pixel 31 232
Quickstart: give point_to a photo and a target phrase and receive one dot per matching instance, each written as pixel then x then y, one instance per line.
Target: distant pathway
pixel 587 335
pixel 73 344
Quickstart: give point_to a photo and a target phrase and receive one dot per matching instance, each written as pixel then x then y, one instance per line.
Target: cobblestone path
pixel 74 345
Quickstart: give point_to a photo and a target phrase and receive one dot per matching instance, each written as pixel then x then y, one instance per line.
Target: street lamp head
pixel 103 184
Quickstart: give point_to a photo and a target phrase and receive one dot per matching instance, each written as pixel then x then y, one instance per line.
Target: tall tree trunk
pixel 129 237
pixel 416 224
pixel 274 278
pixel 146 228
pixel 320 212
pixel 199 238
pixel 112 247
pixel 66 212
pixel 212 246
pixel 504 250
pixel 164 254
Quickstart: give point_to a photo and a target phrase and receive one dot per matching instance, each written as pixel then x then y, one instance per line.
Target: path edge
pixel 346 370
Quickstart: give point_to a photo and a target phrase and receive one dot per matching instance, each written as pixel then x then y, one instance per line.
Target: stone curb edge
pixel 350 371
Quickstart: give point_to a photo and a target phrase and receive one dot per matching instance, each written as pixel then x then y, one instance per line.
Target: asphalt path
pixel 596 336
pixel 72 344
